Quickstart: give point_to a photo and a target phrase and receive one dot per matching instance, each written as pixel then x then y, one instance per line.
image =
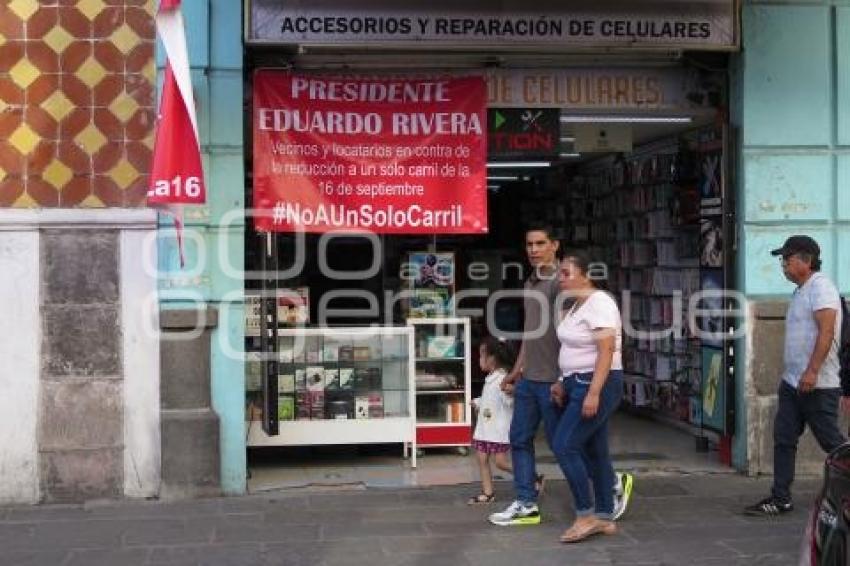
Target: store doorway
pixel 649 195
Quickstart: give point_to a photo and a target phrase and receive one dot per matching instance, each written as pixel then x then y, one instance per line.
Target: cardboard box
pixel 286 408
pixel 346 354
pixel 315 378
pixel 331 379
pixel 346 378
pixel 441 347
pixel 285 383
pixel 330 352
pixel 376 405
pixel 362 353
pixel 361 407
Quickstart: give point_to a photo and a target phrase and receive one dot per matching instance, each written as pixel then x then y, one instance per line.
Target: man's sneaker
pixel 517 513
pixel 622 493
pixel 769 507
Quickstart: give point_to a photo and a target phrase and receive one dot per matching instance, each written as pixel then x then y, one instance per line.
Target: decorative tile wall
pixel 76 102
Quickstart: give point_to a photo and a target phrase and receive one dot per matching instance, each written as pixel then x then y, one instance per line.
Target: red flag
pixel 176 176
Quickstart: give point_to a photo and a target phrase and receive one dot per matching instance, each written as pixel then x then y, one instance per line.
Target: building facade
pixel 96 411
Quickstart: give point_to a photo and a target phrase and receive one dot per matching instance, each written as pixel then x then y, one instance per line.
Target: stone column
pixel 190 428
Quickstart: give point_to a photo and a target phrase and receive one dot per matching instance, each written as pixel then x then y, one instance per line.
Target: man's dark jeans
pixel 532 403
pixel 819 410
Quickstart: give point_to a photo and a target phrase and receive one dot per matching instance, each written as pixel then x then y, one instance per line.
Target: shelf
pixel 454 359
pixel 441 392
pixel 434 424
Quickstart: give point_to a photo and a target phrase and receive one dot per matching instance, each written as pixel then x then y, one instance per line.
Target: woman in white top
pixel 495 409
pixel 590 387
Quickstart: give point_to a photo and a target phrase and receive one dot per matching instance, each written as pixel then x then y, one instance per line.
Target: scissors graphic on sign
pixel 529 119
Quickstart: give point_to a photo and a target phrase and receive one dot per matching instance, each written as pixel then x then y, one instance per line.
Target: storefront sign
pixel 706 24
pixel 666 89
pixel 387 155
pixel 532 133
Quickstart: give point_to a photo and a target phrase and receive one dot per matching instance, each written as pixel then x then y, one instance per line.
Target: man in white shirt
pixel 809 393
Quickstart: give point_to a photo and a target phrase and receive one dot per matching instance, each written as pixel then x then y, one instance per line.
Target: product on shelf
pixel 331 379
pixel 285 383
pixel 441 347
pixel 315 378
pixel 346 378
pixel 286 408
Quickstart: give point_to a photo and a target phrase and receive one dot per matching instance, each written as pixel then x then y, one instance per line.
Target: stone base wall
pixel 80 413
pixel 764 363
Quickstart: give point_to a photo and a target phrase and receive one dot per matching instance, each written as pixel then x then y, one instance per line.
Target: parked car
pixel 827 536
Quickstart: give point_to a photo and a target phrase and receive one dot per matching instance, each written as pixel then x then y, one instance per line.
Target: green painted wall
pixel 214 233
pixel 791 103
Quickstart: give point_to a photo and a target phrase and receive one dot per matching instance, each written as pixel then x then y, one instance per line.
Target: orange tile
pixel 12 162
pixel 74 123
pixel 42 21
pixel 40 157
pixel 42 123
pixel 135 194
pixel 141 90
pixel 76 91
pixel 11 25
pixel 75 55
pixel 139 57
pixel 139 156
pixel 43 57
pixel 41 89
pixel 10 119
pixel 109 56
pixel 109 88
pixel 107 191
pixel 108 124
pixel 10 189
pixel 42 192
pixel 73 156
pixel 141 22
pixel 10 53
pixel 140 125
pixel 10 93
pixel 74 22
pixel 107 21
pixel 75 191
pixel 107 157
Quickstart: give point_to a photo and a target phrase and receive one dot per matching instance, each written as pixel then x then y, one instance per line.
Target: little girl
pixel 495 409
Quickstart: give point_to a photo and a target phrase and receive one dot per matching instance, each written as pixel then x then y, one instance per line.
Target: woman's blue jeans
pixel 581 445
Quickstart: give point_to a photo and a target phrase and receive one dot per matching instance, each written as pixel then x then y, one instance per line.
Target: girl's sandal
pixel 481 499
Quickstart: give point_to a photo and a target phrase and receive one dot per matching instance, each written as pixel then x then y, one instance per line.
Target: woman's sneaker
pixel 622 493
pixel 517 513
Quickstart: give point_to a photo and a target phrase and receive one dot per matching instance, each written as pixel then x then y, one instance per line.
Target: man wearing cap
pixel 809 393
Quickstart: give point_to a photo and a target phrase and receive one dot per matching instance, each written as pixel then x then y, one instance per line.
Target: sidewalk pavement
pixel 692 520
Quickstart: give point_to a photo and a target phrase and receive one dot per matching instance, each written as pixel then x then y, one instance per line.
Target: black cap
pixel 798 245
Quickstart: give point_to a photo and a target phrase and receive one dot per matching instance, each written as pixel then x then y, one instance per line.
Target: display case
pixel 350 385
pixel 443 377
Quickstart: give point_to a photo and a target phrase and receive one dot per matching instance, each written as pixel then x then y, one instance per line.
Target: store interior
pixel 654 208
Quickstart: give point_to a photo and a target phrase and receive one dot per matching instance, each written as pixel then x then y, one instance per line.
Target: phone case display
pixel 432 284
pixel 443 377
pixel 642 217
pixel 343 386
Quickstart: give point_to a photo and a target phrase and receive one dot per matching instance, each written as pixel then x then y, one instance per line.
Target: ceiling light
pixel 502 178
pixel 568 139
pixel 493 187
pixel 569 155
pixel 613 118
pixel 517 164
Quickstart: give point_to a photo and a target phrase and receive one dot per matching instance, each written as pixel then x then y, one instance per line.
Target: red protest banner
pixel 394 155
